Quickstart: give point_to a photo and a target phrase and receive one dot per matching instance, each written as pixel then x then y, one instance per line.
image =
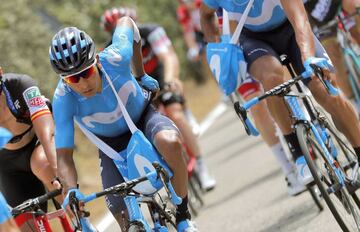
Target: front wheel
pixel 135 227
pixel 335 194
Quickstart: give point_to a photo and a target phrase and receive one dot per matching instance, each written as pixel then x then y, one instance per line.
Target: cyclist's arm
pixel 44 129
pixel 64 108
pixel 121 32
pixel 163 49
pixel 187 27
pixel 66 168
pixel 297 16
pixel 209 23
pixel 40 116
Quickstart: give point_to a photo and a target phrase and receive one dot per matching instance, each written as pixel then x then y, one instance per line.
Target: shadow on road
pixel 244 188
pixel 228 142
pixel 243 150
pixel 305 213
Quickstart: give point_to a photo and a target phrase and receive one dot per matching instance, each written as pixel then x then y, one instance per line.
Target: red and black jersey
pixel 23 97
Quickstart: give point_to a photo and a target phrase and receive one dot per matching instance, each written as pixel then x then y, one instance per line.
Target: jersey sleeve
pixel 26 98
pixel 120 52
pixel 64 111
pixel 35 102
pixel 211 3
pixel 159 41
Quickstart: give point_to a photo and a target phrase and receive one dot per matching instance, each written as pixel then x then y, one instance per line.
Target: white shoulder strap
pixel 127 117
pixel 236 35
pixel 99 143
pixel 226 23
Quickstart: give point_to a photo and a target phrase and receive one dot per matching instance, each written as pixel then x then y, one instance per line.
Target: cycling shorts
pixel 167 98
pixel 276 42
pixel 248 87
pixel 17 181
pixel 150 124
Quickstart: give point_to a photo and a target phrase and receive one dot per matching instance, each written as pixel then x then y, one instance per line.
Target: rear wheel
pixel 194 194
pixel 335 194
pixel 316 196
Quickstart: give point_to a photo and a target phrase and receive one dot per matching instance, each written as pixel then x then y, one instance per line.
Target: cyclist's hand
pixel 193 54
pixel 56 183
pixel 80 197
pixel 321 62
pixel 175 86
pixel 149 83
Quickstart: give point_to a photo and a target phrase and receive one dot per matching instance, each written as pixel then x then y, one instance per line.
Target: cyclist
pixel 28 160
pixel 84 94
pixel 249 89
pixel 161 62
pixel 320 13
pixel 284 28
pixel 188 15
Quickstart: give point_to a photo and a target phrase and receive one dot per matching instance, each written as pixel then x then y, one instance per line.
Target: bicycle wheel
pixel 194 194
pixel 136 228
pixel 336 196
pixel 316 196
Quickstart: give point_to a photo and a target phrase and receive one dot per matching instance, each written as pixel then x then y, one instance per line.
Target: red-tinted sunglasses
pixel 75 78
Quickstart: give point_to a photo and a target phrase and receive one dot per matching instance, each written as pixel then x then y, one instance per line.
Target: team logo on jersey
pixel 33 97
pixel 240 2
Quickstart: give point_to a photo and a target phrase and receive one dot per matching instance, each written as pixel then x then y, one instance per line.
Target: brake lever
pixel 242 114
pixel 165 179
pixel 320 74
pixel 74 207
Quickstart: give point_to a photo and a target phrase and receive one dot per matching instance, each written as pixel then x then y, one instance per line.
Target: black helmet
pixel 71 50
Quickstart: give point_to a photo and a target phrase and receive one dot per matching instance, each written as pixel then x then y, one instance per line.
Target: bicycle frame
pixel 41 220
pixel 296 111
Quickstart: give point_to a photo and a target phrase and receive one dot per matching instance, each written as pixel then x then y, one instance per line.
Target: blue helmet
pixel 71 50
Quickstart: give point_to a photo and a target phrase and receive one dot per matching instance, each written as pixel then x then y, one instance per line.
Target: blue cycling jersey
pixel 101 113
pixel 263 16
pixel 4 210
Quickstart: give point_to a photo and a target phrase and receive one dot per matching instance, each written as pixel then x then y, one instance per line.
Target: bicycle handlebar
pixel 30 204
pixel 127 187
pixel 278 90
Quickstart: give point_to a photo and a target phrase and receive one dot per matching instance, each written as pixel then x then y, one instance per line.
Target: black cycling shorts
pixel 17 182
pixel 167 98
pixel 150 124
pixel 276 42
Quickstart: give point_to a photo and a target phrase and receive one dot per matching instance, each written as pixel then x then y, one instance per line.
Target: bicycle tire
pixel 311 149
pixel 136 228
pixel 195 199
pixel 315 196
pixel 195 179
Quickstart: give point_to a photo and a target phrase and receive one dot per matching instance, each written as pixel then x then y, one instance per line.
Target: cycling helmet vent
pixel 71 50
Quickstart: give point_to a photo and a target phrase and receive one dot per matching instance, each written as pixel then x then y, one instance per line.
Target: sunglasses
pixel 75 78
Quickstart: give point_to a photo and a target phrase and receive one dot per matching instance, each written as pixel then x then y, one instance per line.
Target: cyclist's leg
pixel 341 110
pixel 269 72
pixel 162 132
pixel 174 109
pixel 41 168
pixel 264 65
pixel 111 176
pixel 266 126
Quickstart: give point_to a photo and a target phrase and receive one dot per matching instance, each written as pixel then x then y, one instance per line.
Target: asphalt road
pixel 251 193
